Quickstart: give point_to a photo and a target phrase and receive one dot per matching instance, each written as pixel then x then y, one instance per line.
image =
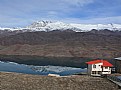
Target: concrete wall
pixel 89 69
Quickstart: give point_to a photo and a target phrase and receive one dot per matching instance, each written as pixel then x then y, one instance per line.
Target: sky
pixel 20 13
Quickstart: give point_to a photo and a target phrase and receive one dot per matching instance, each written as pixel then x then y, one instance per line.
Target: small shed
pixel 99 67
pixel 118 64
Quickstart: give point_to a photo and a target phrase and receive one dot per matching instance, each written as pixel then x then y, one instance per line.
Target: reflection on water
pixel 45 61
pixel 42 70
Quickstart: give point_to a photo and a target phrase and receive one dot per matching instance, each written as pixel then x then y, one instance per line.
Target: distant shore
pixel 15 81
pixel 44 61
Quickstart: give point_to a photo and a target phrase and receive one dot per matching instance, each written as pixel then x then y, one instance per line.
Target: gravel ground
pixel 15 81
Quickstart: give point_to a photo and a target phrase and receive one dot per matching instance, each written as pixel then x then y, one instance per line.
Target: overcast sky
pixel 19 13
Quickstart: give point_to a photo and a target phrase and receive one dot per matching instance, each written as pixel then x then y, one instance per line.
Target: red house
pixel 99 67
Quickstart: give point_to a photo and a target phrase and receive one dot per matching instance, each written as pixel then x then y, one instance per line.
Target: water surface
pixel 41 70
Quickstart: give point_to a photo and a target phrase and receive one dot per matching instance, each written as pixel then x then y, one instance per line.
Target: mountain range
pixel 57 25
pixel 57 39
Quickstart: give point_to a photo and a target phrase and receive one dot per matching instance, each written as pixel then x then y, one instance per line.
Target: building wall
pixel 95 71
pixel 118 66
pixel 106 70
pixel 89 69
pixel 98 67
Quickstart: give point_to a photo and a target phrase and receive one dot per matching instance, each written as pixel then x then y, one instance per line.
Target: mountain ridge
pixel 57 39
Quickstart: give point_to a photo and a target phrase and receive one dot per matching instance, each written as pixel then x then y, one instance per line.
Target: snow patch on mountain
pixel 57 25
pixel 49 26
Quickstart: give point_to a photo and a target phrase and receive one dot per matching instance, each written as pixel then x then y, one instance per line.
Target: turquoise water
pixel 41 70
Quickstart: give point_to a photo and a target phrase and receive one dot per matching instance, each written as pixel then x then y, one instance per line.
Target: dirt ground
pixel 16 81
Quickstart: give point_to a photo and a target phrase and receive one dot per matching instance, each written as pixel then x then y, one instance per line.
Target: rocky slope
pixel 62 44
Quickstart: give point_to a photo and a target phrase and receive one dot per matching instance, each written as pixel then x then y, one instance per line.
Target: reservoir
pixel 39 70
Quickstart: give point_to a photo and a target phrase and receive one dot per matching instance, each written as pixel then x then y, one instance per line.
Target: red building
pixel 99 67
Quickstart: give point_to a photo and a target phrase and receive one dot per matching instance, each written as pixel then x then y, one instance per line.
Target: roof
pixel 105 63
pixel 119 58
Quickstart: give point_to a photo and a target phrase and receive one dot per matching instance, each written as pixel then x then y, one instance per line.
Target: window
pixel 106 67
pixel 105 71
pixel 99 72
pixel 94 66
pixel 93 72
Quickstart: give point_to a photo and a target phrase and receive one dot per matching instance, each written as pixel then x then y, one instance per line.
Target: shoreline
pixel 55 61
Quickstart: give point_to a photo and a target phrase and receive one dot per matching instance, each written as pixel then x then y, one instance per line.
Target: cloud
pixel 116 19
pixel 79 2
pixel 31 6
pixel 23 12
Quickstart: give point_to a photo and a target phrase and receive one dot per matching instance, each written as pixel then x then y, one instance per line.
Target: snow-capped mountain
pixel 88 27
pixel 57 25
pixel 49 26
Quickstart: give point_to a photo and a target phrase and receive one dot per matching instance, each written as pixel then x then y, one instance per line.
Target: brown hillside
pixel 62 44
